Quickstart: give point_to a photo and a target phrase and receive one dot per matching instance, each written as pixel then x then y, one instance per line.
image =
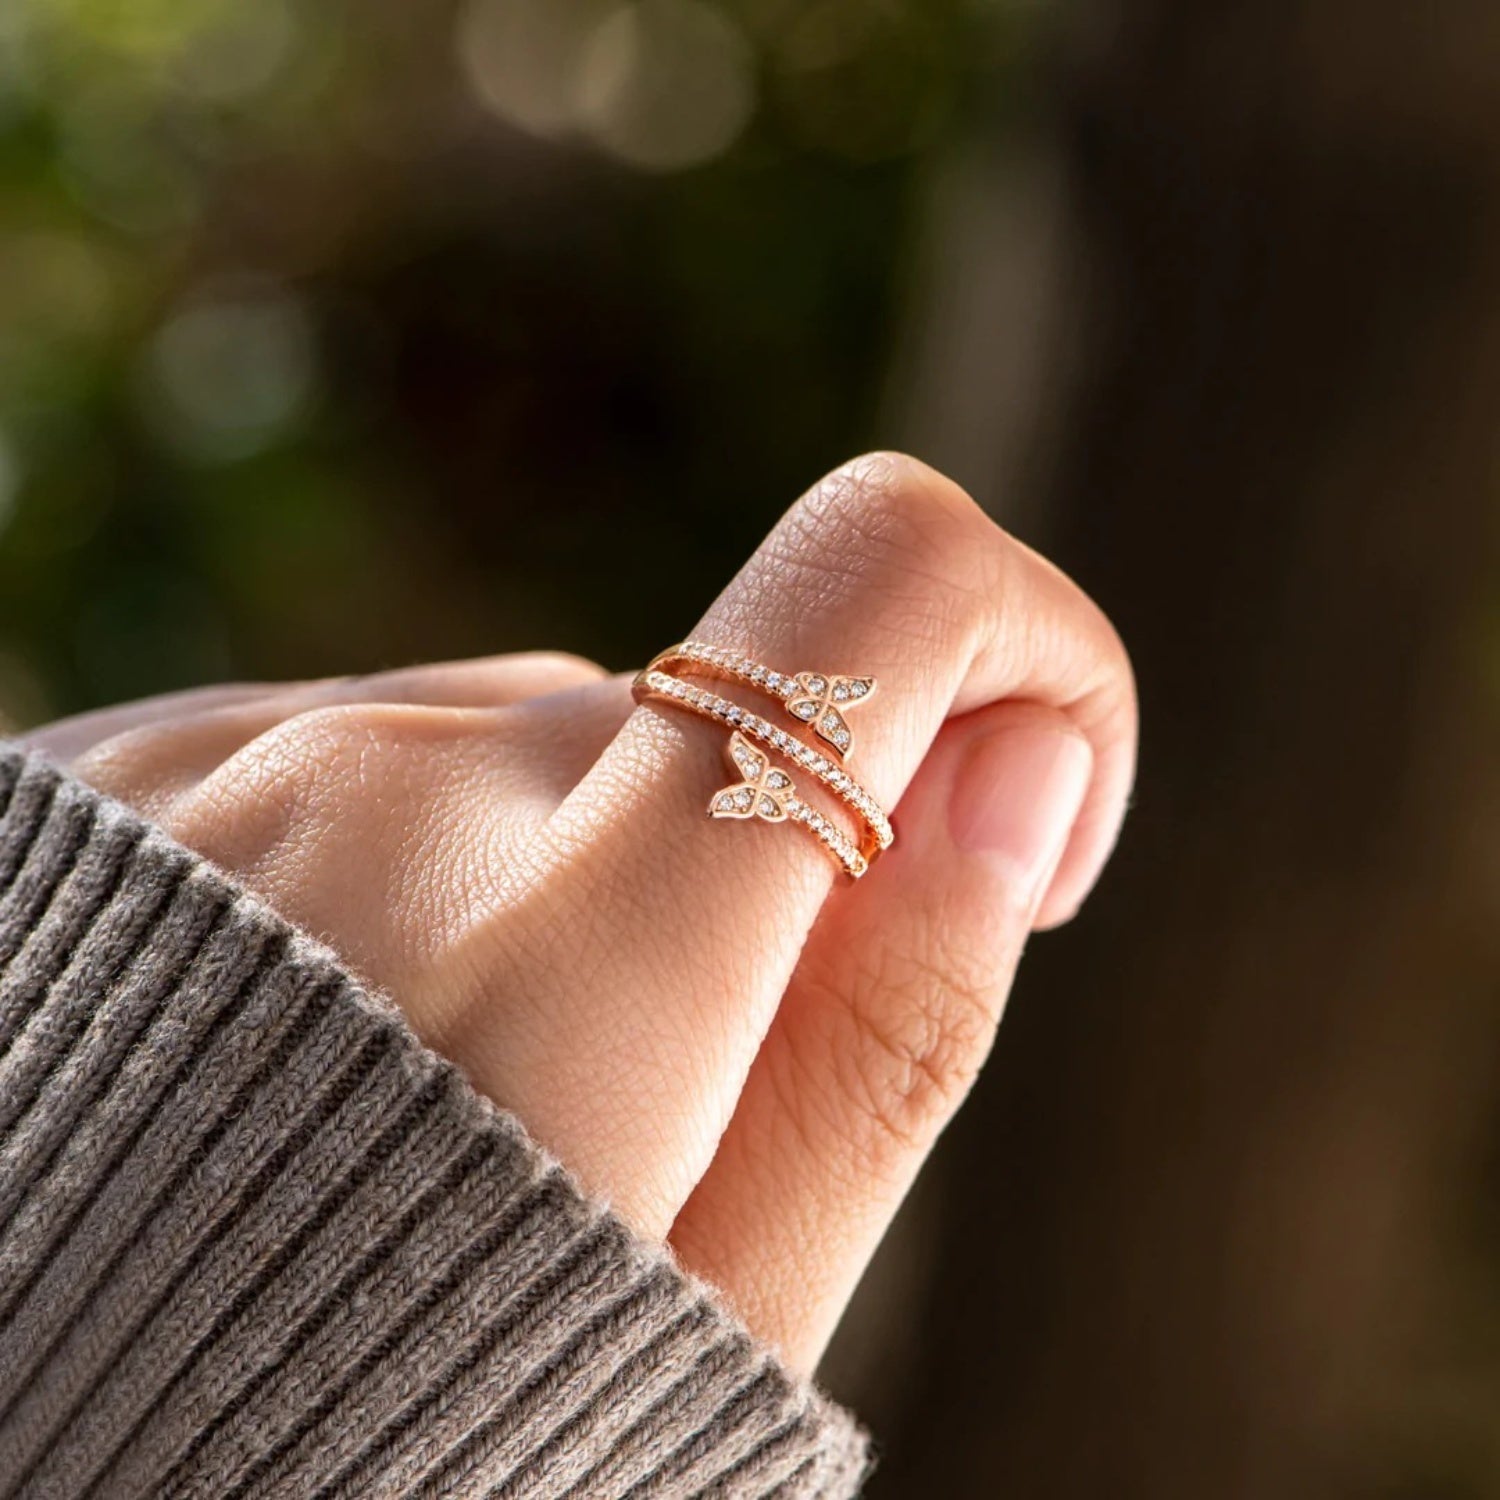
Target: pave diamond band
pixel 768 792
pixel 820 700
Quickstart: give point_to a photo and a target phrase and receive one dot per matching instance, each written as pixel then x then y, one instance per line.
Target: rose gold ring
pixel 817 699
pixel 766 791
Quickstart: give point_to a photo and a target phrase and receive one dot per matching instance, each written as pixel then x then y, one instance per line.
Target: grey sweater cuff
pixel 255 1239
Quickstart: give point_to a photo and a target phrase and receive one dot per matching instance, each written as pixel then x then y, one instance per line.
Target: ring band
pixel 750 731
pixel 818 700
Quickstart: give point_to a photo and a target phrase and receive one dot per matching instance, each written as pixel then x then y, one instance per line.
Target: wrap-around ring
pixel 765 791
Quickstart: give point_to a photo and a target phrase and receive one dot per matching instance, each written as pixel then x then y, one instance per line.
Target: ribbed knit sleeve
pixel 256 1240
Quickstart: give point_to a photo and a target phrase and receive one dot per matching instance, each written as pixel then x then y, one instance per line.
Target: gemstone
pixel 805 710
pixel 816 684
pixel 742 800
pixel 841 693
pixel 767 807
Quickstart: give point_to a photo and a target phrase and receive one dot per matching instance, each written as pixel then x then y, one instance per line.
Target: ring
pixel 768 792
pixel 818 699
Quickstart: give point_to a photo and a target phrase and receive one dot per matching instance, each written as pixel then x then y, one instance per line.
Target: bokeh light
pixel 235 60
pixel 658 84
pixel 523 58
pixel 666 84
pixel 228 374
pixel 55 284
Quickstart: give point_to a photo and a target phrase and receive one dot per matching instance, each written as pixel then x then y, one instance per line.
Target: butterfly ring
pixel 765 790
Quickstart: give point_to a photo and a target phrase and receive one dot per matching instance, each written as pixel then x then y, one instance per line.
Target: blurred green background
pixel 347 335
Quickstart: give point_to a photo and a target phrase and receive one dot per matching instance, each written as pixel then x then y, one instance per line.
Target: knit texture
pixel 256 1240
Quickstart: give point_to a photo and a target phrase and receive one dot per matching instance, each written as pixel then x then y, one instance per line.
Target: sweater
pixel 257 1240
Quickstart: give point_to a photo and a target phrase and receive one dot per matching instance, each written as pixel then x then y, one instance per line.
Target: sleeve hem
pixel 257 1239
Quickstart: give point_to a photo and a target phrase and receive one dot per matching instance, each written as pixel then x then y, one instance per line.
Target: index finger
pixel 886 570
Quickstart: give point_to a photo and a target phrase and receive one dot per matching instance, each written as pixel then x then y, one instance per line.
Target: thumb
pixel 885 1025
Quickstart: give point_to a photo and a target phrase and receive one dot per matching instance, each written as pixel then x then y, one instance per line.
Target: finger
pixel 64 739
pixel 149 756
pixel 519 674
pixel 885 1025
pixel 390 825
pixel 690 930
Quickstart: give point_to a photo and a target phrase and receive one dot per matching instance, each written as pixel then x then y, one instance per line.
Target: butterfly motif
pixel 765 791
pixel 822 701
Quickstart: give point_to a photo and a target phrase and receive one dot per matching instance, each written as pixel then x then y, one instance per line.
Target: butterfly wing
pixel 773 796
pixel 764 791
pixel 832 728
pixel 737 801
pixel 807 702
pixel 747 758
pixel 844 692
pixel 821 701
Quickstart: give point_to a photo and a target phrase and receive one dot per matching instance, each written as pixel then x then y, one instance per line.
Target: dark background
pixel 344 335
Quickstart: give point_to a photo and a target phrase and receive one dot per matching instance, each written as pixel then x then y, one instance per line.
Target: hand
pixel 738 1054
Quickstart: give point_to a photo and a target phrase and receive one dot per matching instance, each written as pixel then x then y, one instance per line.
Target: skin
pixel 742 1053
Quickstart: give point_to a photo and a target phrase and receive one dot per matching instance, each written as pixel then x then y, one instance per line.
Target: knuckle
pixel 325 756
pixel 335 743
pixel 889 520
pixel 897 503
pixel 920 1028
pixel 122 762
pixel 563 664
pixel 333 796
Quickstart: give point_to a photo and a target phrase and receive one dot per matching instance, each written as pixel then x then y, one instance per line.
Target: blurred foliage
pixel 340 335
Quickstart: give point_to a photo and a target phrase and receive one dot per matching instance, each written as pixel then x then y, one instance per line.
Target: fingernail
pixel 1015 800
